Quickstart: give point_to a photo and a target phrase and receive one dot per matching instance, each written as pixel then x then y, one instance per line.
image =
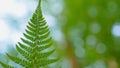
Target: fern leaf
pixel 46 62
pixel 27 42
pixel 27 48
pixel 43 31
pixel 32 25
pixel 45 46
pixel 28 37
pixel 30 28
pixel 36 40
pixel 44 36
pixel 29 32
pixel 43 55
pixel 46 40
pixel 6 65
pixel 23 53
pixel 18 60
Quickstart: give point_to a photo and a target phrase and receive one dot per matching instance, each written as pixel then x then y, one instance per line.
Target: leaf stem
pixel 39 3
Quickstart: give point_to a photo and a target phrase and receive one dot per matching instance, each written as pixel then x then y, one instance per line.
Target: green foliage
pixel 80 16
pixel 34 45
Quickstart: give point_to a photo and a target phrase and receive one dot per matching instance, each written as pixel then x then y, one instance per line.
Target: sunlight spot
pixel 3 47
pixel 116 30
pixel 15 37
pixel 80 52
pixel 101 48
pixel 51 20
pixel 99 64
pixel 58 33
pixel 12 7
pixel 57 6
pixel 4 30
pixel 80 41
pixel 66 63
pixel 91 41
pixel 19 10
pixel 92 12
pixel 95 28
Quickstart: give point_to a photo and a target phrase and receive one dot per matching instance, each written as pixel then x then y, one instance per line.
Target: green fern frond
pixel 36 40
pixel 6 65
pixel 18 60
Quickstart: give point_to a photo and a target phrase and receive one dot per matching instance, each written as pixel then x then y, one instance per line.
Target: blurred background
pixel 87 32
